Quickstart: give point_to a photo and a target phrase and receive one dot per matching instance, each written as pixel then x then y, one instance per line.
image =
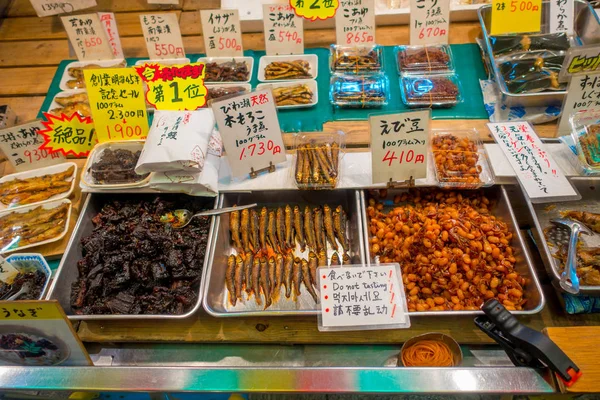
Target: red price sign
pixel 359 37
pixel 230 44
pixel 287 36
pixel 124 132
pixel 162 35
pixel 519 5
pixel 36 155
pixel 284 30
pixel 403 156
pixel 92 42
pixel 259 149
pixel 432 32
pixel 168 50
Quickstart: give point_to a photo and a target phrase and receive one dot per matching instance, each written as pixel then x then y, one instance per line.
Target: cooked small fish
pixel 272 229
pixel 335 152
pixel 248 262
pixel 322 258
pixel 287 274
pixel 264 281
pixel 329 155
pixel 229 279
pixel 307 168
pixel 323 165
pixel 238 277
pixel 234 226
pixel 299 164
pixel 306 280
pixel 335 259
pixel 279 267
pixel 74 98
pixel 245 228
pixel 316 169
pixel 328 221
pixel 309 228
pixel 297 275
pixel 319 232
pixel 339 224
pixel 289 227
pixel 272 276
pixel 346 259
pixel 280 228
pixel 591 220
pixel 262 228
pixel 254 241
pixel 256 280
pixel 299 228
pixel 313 264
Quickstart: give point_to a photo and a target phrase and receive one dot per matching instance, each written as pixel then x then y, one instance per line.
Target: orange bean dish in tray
pixel 454 254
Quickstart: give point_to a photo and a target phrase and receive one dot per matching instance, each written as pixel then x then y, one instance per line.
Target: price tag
pixel 355 22
pixel 174 87
pixel 69 135
pixel 583 94
pixel 21 145
pixel 362 298
pixel 580 59
pixel 429 22
pixel 7 272
pixel 516 16
pixel 315 9
pixel 112 33
pixel 284 30
pixel 44 8
pixel 116 97
pixel 250 130
pixel 222 33
pixel 163 37
pixel 399 144
pixel 561 16
pixel 87 37
pixel 536 170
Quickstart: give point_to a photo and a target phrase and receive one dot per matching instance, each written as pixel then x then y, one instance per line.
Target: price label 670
pixel 516 16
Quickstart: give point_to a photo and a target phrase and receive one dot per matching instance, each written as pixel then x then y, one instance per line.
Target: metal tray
pixel 587 30
pixel 215 293
pixel 533 291
pixel 589 188
pixel 67 270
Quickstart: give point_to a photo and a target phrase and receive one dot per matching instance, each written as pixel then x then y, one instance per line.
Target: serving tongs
pixel 569 281
pixel 181 218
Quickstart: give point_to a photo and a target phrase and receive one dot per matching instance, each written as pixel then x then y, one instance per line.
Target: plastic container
pixel 435 91
pixel 460 162
pixel 218 90
pixel 308 91
pixel 120 174
pixel 31 262
pixel 367 91
pixel 424 59
pixel 453 346
pixel 310 61
pixel 72 80
pixel 585 131
pixel 316 162
pixel 228 69
pixel 355 59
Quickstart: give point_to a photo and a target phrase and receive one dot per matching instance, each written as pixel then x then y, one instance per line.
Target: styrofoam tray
pixel 166 61
pixel 53 169
pixel 311 83
pixel 65 93
pixel 221 60
pixel 313 62
pixel 66 77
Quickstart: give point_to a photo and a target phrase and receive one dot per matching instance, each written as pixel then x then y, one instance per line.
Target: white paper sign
pixel 7 271
pixel 250 131
pixel 399 145
pixel 583 94
pixel 162 35
pixel 578 60
pixel 561 16
pixel 87 37
pixel 536 170
pixel 21 145
pixel 429 22
pixel 362 298
pixel 355 22
pixel 44 8
pixel 284 30
pixel 112 33
pixel 222 33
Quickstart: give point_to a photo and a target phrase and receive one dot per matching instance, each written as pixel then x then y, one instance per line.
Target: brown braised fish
pixel 339 224
pixel 297 275
pixel 229 279
pixel 238 276
pixel 272 229
pixel 254 224
pixel 328 221
pixel 245 228
pixel 256 280
pixel 280 228
pixel 289 227
pixel 234 226
pixel 287 274
pixel 335 259
pixel 262 228
pixel 319 233
pixel 313 264
pixel 299 228
pixel 309 228
pixel 264 281
pixel 248 262
pixel 306 280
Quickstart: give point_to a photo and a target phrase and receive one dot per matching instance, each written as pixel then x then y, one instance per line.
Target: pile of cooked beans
pixel 456 159
pixel 453 253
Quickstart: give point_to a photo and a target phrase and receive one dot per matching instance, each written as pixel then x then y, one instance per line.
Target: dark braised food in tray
pixel 230 71
pixel 506 44
pixel 356 60
pixel 117 167
pixel 533 74
pixel 134 264
pixel 36 280
pixel 216 92
pixel 430 91
pixel 423 58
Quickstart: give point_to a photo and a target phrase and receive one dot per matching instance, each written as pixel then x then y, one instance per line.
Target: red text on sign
pixel 359 37
pixel 229 43
pixel 260 148
pixel 431 32
pixel 164 49
pixel 91 42
pixel 404 157
pixel 118 131
pixel 287 36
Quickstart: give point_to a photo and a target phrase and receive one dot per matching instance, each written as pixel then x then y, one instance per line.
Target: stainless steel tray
pixel 215 293
pixel 587 29
pixel 67 270
pixel 533 291
pixel 589 188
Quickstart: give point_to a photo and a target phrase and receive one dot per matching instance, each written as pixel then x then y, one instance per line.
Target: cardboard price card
pixel 429 22
pixel 399 144
pixel 21 145
pixel 116 97
pixel 516 16
pixel 174 87
pixel 70 135
pixel 222 33
pixel 44 8
pixel 162 35
pixel 578 60
pixel 112 33
pixel 284 30
pixel 583 94
pixel 250 130
pixel 561 16
pixel 87 37
pixel 315 9
pixel 355 22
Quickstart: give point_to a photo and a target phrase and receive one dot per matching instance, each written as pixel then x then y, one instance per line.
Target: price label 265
pixel 516 16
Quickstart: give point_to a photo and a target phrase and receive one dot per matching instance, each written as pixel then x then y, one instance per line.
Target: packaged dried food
pixel 355 91
pixel 460 160
pixel 585 132
pixel 296 94
pixel 216 91
pixel 228 69
pixel 70 102
pixel 533 74
pixel 33 270
pixel 424 59
pixel 507 44
pixel 317 160
pixel 288 67
pixel 112 165
pixel 430 90
pixel 355 59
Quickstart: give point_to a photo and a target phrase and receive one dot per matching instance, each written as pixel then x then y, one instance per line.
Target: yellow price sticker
pixel 175 87
pixel 516 16
pixel 69 135
pixel 30 309
pixel 315 9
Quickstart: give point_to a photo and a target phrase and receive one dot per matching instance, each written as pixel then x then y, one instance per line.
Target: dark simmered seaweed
pixel 532 75
pixel 506 44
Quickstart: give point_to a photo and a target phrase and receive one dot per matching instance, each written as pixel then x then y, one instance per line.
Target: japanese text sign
pixel 222 33
pixel 162 35
pixel 87 37
pixel 355 22
pixel 174 87
pixel 284 30
pixel 112 33
pixel 44 8
pixel 561 16
pixel 116 97
pixel 21 145
pixel 580 59
pixel 315 9
pixel 399 145
pixel 429 22
pixel 516 16
pixel 535 168
pixel 69 134
pixel 250 130
pixel 583 94
pixel 362 298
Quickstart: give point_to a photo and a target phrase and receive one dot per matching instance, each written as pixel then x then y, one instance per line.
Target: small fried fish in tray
pixel 18 192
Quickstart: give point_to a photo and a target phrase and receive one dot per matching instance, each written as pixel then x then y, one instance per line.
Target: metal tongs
pixel 182 217
pixel 524 346
pixel 569 281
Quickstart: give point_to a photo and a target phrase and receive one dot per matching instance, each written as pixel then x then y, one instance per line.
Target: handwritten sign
pixel 355 22
pixel 580 59
pixel 162 35
pixel 87 37
pixel 21 145
pixel 174 87
pixel 362 298
pixel 284 30
pixel 69 135
pixel 44 8
pixel 112 33
pixel 315 9
pixel 222 33
pixel 429 22
pixel 7 272
pixel 116 97
pixel 536 170
pixel 399 145
pixel 516 16
pixel 561 16
pixel 583 94
pixel 250 130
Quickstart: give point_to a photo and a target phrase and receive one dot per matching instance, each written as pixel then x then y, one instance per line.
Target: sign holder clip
pixel 270 168
pixel 409 183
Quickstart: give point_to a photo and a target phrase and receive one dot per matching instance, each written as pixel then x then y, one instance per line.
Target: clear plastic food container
pixel 436 91
pixel 356 91
pixel 460 160
pixel 112 165
pixel 316 162
pixel 355 59
pixel 424 59
pixel 586 136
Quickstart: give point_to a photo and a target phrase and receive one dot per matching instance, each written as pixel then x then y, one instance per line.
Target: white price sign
pixel 284 30
pixel 162 35
pixel 44 8
pixel 112 33
pixel 87 37
pixel 429 22
pixel 583 94
pixel 355 23
pixel 222 33
pixel 561 16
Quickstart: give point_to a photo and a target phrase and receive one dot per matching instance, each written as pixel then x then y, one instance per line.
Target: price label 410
pixel 516 16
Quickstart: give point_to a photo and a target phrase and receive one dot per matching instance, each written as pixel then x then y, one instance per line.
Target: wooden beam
pixel 25 107
pixel 26 81
pixel 23 8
